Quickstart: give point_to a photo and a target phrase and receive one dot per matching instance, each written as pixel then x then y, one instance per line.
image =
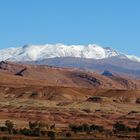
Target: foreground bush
pixel 68 134
pixel 3 128
pixel 9 124
pixel 52 135
pixel 26 132
pixel 120 127
pixel 138 127
pixel 96 128
pixel 85 128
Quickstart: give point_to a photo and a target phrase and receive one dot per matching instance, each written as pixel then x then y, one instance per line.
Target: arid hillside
pixel 64 96
pixel 23 74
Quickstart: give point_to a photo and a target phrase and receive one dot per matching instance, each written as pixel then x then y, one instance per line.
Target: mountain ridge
pixel 40 52
pixel 90 57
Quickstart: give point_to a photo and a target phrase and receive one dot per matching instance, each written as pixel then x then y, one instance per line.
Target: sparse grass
pixel 107 112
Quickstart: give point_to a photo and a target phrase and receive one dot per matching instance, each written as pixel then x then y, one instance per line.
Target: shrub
pixel 73 128
pixel 85 128
pixel 16 131
pixel 51 134
pixel 38 128
pixel 94 127
pixel 9 125
pixel 26 132
pixel 120 127
pixel 36 132
pixel 138 101
pixel 68 134
pixel 138 127
pixel 3 128
pixel 33 125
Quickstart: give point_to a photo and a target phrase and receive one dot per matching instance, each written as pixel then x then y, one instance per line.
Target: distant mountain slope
pixel 116 65
pixel 18 74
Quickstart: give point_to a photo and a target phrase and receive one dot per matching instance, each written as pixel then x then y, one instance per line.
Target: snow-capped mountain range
pixel 41 52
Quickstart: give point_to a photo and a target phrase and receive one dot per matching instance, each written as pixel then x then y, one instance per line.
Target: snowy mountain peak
pixel 40 52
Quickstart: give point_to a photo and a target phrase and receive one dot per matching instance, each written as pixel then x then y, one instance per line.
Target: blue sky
pixel 110 23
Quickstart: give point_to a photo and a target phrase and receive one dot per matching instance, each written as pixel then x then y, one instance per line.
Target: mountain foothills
pixel 64 77
pixel 66 96
pixel 91 57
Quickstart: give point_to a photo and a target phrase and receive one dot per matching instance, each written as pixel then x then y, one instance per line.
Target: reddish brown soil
pixel 30 92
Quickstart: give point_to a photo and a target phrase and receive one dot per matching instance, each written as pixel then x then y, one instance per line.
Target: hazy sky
pixel 110 23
